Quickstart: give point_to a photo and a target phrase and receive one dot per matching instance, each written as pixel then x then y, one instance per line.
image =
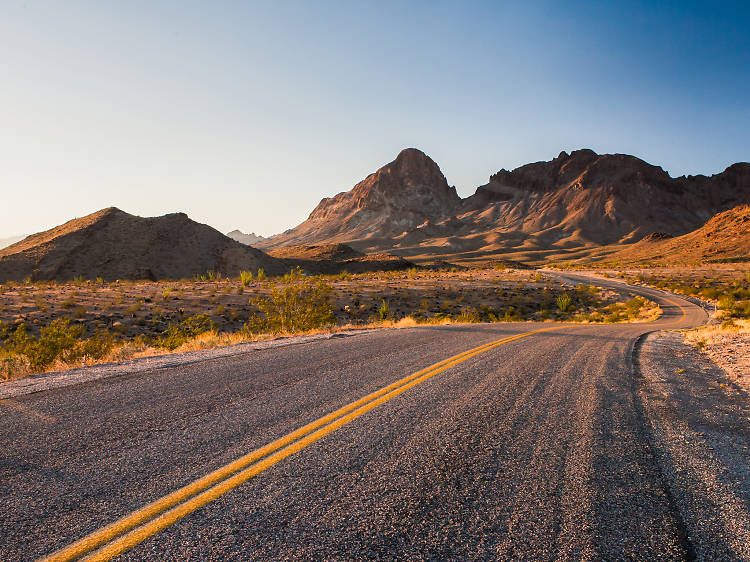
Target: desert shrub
pixel 469 315
pixel 98 345
pixel 634 305
pixel 384 311
pixel 69 302
pixel 166 294
pixel 41 304
pixel 726 302
pixel 294 274
pixel 261 274
pixel 57 340
pixel 246 278
pixel 133 309
pixel 301 304
pixel 563 302
pixel 178 334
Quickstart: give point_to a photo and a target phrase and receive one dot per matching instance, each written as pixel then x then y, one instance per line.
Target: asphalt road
pixel 539 448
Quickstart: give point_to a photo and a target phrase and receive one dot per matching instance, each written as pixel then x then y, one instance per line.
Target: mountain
pixel 570 205
pixel 399 197
pixel 585 197
pixel 113 245
pixel 248 239
pixel 725 237
pixel 5 242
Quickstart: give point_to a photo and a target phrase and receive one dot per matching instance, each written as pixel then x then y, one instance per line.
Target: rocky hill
pixel 575 201
pixel 113 245
pixel 249 239
pixel 725 237
pixel 336 258
pixel 398 198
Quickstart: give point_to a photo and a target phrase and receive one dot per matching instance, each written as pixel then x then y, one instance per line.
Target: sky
pixel 245 114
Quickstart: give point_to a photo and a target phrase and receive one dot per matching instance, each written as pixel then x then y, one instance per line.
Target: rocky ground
pixel 699 419
pixel 728 347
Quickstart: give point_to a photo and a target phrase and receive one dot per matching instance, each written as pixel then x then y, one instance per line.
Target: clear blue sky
pixel 246 114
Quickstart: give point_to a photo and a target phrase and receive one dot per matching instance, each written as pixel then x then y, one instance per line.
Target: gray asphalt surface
pixel 539 449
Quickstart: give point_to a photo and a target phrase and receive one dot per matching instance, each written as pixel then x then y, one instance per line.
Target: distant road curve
pixel 482 441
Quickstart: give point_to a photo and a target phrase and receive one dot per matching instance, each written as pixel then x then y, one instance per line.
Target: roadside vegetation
pixel 50 326
pixel 724 287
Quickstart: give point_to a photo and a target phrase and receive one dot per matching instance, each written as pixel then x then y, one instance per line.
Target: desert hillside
pixel 112 244
pixel 397 198
pixel 725 237
pixel 575 202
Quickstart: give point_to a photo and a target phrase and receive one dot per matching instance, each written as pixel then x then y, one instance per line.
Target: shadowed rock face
pixel 397 198
pixel 726 236
pixel 603 199
pixel 581 199
pixel 113 245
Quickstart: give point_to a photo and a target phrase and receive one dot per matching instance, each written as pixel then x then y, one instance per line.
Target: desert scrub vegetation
pixel 59 342
pixel 178 334
pixel 297 304
pixel 246 277
pixel 141 318
pixel 728 290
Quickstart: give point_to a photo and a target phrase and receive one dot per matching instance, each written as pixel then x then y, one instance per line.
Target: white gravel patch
pixel 59 379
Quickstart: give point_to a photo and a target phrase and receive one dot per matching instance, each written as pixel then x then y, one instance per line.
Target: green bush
pixel 261 274
pixel 384 311
pixel 178 334
pixel 563 302
pixel 301 304
pixel 469 315
pixel 246 278
pixel 57 340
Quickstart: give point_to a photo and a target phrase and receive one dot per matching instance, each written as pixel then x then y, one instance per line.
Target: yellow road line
pixel 158 515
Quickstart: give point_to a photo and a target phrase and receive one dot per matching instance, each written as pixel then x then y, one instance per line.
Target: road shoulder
pixel 700 423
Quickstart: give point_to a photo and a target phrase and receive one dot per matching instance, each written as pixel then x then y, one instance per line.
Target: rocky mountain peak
pixel 398 197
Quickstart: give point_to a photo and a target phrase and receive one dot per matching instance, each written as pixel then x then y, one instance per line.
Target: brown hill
pixel 725 237
pixel 113 245
pixel 572 204
pixel 335 252
pixel 397 198
pixel 335 258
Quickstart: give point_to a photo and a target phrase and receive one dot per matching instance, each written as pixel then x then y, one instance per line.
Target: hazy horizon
pixel 245 115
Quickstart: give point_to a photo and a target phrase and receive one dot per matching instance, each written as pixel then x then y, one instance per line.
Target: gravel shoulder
pixel 700 423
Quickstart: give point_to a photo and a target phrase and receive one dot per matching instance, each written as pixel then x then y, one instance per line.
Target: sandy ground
pixel 728 348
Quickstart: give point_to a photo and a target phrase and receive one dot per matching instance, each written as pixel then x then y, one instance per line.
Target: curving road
pixel 535 447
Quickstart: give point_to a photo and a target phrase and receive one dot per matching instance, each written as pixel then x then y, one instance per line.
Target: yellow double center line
pixel 127 532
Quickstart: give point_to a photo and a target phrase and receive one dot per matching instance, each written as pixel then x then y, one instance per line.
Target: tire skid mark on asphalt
pixel 127 532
